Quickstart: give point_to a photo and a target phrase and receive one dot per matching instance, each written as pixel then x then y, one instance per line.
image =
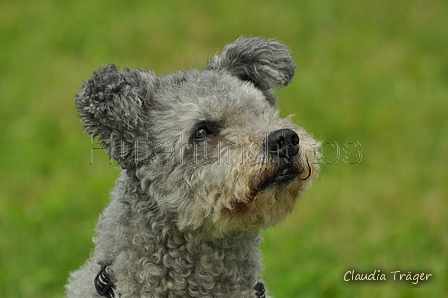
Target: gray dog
pixel 207 164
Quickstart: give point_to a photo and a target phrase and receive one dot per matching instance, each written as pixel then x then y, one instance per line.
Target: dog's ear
pixel 113 107
pixel 265 63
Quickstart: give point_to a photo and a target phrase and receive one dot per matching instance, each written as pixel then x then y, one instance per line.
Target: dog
pixel 207 164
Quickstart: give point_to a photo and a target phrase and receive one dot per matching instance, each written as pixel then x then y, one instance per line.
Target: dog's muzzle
pixel 282 146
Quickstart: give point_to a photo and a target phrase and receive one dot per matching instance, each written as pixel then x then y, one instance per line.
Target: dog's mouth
pixel 281 177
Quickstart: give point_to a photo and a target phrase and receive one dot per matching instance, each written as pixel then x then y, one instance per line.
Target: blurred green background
pixel 371 82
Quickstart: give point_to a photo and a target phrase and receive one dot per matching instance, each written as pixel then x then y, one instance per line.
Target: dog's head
pixel 208 146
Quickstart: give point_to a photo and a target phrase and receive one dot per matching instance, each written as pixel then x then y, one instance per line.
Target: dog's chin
pixel 271 196
pixel 270 204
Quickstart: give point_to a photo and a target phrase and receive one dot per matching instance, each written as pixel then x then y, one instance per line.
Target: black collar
pixel 259 290
pixel 103 284
pixel 105 287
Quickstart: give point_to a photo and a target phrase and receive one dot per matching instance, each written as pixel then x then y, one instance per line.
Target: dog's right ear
pixel 114 106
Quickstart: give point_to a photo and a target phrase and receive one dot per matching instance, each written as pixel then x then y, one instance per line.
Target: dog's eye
pixel 201 133
pixel 205 130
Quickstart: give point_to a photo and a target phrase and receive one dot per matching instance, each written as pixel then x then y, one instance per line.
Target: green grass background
pixel 370 73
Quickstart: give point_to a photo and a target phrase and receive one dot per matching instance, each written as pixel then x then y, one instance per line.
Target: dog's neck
pixel 130 242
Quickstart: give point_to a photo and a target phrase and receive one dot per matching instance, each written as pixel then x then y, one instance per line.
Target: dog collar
pixel 103 284
pixel 105 287
pixel 259 290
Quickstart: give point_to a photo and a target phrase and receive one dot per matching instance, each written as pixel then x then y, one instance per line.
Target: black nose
pixel 283 143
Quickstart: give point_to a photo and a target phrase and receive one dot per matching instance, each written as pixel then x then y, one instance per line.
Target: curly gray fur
pixel 265 63
pixel 197 184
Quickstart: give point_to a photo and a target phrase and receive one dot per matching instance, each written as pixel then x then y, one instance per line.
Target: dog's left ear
pixel 265 63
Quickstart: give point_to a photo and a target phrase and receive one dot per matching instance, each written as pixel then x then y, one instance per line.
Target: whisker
pixel 309 170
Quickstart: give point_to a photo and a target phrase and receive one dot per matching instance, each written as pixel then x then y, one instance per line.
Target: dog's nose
pixel 283 143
